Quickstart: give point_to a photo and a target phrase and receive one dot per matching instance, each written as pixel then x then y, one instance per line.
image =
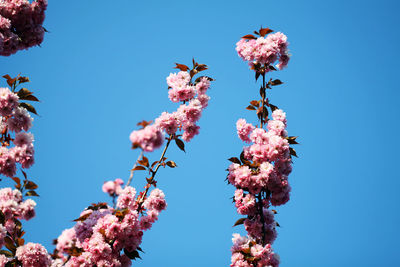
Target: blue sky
pixel 102 68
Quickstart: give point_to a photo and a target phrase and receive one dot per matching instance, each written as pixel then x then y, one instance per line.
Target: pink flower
pixel 7 162
pixel 22 18
pixel 126 199
pixel 66 240
pixel 168 122
pixel 191 112
pixel 156 201
pixel 3 259
pixel 113 187
pixel 244 129
pixel 22 138
pixel 8 100
pixel 190 131
pixel 203 85
pixel 276 127
pixel 20 120
pixel 178 80
pixel 27 209
pixel 184 93
pixel 279 115
pixel 33 255
pixel 148 139
pixel 265 50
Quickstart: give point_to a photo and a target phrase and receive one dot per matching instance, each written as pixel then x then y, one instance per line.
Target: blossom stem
pixel 154 172
pixel 132 170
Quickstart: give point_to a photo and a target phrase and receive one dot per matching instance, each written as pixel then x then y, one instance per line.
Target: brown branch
pixel 153 173
pixel 132 170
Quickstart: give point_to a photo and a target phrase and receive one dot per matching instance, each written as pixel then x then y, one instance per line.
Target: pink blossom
pixel 203 85
pixel 276 127
pixel 265 50
pixel 178 80
pixel 20 120
pixel 33 255
pixel 190 131
pixel 22 138
pixel 27 209
pixel 191 112
pixel 156 201
pixel 21 25
pixel 66 240
pixel 8 100
pixel 244 129
pixel 113 187
pixel 279 115
pixel 7 162
pixel 3 259
pixel 24 155
pixel 184 93
pixel 168 122
pixel 148 139
pixel 126 199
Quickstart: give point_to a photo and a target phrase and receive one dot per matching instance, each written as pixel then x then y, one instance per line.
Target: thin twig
pixel 154 172
pixel 132 171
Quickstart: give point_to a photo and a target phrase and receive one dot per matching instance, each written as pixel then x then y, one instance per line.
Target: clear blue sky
pixel 102 68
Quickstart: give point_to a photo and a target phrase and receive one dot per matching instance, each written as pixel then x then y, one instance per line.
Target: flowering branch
pixel 260 175
pixel 110 236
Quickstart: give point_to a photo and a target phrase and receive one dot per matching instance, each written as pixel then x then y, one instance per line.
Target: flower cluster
pixel 264 50
pixel 13 206
pixel 33 255
pixel 246 252
pixel 270 155
pixel 194 98
pixel 261 173
pixel 104 236
pixel 21 25
pixel 113 187
pixel 14 118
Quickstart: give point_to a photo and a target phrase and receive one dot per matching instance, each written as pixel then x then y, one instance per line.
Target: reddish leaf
pixel 144 161
pixel 239 222
pixel 201 67
pixel 273 108
pixel 182 67
pixel 255 103
pixel 180 144
pixel 29 107
pixel 82 218
pixel 16 180
pixel 31 185
pixel 31 193
pixel 235 160
pixel 251 108
pixel 171 164
pixel 265 31
pixel 276 82
pixel 23 80
pixel 249 37
pixel 293 152
pixel 139 168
